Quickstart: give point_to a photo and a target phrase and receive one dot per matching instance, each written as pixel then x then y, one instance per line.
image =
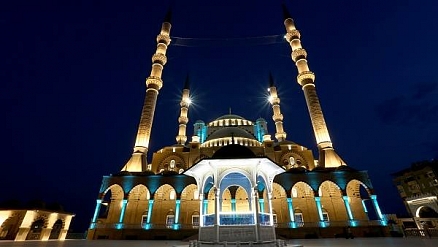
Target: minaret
pixel 183 119
pixel 138 160
pixel 306 78
pixel 280 135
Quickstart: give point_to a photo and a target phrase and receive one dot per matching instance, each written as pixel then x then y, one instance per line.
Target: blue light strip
pixel 319 208
pixel 291 209
pixel 150 208
pixel 205 206
pixel 122 212
pixel 376 206
pixel 96 210
pixel 177 208
pixel 233 205
pixel 347 206
pixel 262 205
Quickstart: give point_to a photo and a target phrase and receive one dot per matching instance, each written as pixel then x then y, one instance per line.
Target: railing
pixel 246 219
pixel 425 233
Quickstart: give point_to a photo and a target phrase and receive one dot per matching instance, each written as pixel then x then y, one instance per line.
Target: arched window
pixel 172 195
pixel 294 192
pixel 172 164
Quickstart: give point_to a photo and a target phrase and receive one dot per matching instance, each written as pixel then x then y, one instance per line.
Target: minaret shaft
pixel 306 78
pixel 280 135
pixel 183 119
pixel 138 160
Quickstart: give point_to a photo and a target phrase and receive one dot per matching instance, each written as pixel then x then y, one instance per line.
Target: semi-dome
pixel 230 132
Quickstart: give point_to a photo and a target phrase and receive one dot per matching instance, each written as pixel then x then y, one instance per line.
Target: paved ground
pixel 357 242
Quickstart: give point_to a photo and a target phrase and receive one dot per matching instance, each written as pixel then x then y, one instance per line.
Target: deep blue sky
pixel 72 84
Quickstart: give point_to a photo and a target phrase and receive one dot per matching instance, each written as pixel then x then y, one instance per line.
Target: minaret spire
pixel 183 119
pixel 306 78
pixel 138 160
pixel 277 116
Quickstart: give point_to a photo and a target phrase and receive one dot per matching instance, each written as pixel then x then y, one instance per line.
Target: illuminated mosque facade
pixel 232 181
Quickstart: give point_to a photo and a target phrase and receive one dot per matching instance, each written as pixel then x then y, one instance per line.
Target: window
pixel 144 218
pixel 325 217
pixel 195 221
pixel 170 220
pixel 299 219
pixel 274 217
pixel 172 164
pixel 294 192
pixel 172 195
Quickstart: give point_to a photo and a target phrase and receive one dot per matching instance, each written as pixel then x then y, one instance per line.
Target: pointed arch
pixel 358 194
pixel 137 205
pixel 332 202
pixel 303 190
pixel 190 201
pixel 111 204
pixel 303 200
pixel 164 197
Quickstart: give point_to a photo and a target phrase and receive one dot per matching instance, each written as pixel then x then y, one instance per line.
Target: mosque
pixel 233 181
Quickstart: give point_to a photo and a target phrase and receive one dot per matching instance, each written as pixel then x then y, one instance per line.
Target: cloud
pixel 418 108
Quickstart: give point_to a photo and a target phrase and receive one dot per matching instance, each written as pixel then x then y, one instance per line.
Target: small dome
pixel 233 151
pixel 229 132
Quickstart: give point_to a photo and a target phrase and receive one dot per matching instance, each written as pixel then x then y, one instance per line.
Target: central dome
pixel 229 116
pixel 230 132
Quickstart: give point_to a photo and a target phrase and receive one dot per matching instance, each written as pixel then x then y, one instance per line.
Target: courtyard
pixel 357 242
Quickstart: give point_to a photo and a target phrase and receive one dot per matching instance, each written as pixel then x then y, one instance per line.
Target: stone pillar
pixel 201 209
pixel 216 212
pixel 271 216
pixel 233 205
pixel 377 208
pixel 319 208
pixel 348 208
pixel 150 208
pixel 177 210
pixel 22 233
pixel 262 205
pixel 62 234
pixel 96 213
pixel 45 234
pixel 122 211
pixel 255 198
pixel 365 208
pixel 291 213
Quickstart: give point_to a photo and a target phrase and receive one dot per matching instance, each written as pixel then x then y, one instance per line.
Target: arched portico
pixel 230 181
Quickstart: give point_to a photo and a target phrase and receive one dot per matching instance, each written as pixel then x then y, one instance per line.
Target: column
pixel 233 204
pixel 262 205
pixel 348 208
pixel 22 233
pixel 45 234
pixel 255 198
pixel 96 213
pixel 365 208
pixel 150 209
pixel 122 214
pixel 291 213
pixel 271 216
pixel 177 209
pixel 319 208
pixel 216 212
pixel 377 208
pixel 201 209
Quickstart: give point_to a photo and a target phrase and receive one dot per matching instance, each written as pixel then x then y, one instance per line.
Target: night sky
pixel 72 84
